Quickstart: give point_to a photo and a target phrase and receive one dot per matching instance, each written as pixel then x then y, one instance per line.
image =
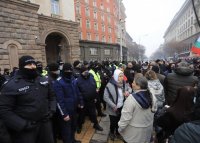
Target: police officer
pixel 26 105
pixel 68 100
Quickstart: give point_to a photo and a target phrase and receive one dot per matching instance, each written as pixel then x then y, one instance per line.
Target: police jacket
pixel 68 96
pixel 87 87
pixel 23 100
pixel 97 78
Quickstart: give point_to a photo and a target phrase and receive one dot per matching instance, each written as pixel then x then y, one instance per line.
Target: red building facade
pixel 100 22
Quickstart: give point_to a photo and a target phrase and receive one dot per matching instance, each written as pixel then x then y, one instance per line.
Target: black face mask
pixel 39 69
pixel 54 76
pixel 85 75
pixel 67 75
pixel 30 73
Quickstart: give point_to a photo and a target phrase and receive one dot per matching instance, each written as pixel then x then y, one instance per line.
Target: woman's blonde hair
pixel 151 75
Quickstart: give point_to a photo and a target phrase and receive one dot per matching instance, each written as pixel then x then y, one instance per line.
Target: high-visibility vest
pixel 96 78
pixel 44 73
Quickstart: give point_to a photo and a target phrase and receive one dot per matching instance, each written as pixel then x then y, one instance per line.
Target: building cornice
pixel 48 18
pixel 177 16
pixel 22 4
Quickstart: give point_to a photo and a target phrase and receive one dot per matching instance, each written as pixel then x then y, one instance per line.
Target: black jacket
pixel 4 135
pixel 87 88
pixel 187 133
pixel 24 100
pixel 173 81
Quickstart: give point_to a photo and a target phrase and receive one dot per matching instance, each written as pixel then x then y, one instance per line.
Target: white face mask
pixel 61 67
pixel 57 72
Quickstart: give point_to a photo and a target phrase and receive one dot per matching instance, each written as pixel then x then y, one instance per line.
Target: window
pixel 109 30
pixel 55 7
pixel 96 26
pixel 77 9
pixel 95 15
pixel 93 51
pixel 97 37
pixel 88 36
pixel 87 11
pixel 88 24
pixel 108 19
pixel 94 3
pixel 80 35
pixel 101 6
pixel 86 1
pixel 103 27
pixel 102 17
pixel 103 39
pixel 79 21
pixel 107 52
pixel 109 39
pixel 108 9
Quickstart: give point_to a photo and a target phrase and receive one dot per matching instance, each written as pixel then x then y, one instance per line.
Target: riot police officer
pixel 26 105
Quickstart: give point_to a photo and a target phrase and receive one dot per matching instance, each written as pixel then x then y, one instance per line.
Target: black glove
pixel 30 125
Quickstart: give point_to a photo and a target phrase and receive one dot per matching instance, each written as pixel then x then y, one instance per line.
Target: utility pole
pixel 120 30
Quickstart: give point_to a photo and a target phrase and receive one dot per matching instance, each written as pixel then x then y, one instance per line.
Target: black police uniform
pixel 26 107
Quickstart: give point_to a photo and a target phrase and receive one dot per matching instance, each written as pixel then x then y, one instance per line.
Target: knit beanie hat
pixel 67 66
pixel 53 67
pixel 25 60
pixel 76 63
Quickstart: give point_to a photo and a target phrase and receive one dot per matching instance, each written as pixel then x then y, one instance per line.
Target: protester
pixel 136 122
pixel 114 96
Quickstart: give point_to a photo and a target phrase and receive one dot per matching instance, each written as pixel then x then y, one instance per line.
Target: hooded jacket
pixel 156 88
pixel 111 93
pixel 136 122
pixel 182 76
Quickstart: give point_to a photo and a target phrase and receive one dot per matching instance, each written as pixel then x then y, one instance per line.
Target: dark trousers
pixel 98 105
pixel 68 129
pixel 114 124
pixel 41 134
pixel 90 109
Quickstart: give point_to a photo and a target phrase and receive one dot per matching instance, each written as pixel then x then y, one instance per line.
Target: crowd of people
pixel 156 101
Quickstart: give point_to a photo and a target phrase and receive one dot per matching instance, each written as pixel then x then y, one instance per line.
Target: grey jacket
pixel 109 100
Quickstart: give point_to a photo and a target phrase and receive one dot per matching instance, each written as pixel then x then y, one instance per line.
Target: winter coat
pixel 87 87
pixel 156 88
pixel 187 133
pixel 111 96
pixel 4 135
pixel 67 95
pixel 161 78
pixel 23 100
pixel 136 122
pixel 182 77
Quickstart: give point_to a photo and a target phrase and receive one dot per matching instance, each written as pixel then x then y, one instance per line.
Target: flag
pixel 196 47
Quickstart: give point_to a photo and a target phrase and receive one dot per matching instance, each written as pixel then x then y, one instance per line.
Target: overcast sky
pixel 147 20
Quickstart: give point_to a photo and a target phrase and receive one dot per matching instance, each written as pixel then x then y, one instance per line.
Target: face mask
pixel 85 74
pixel 39 69
pixel 30 73
pixel 60 67
pixel 67 74
pixel 57 72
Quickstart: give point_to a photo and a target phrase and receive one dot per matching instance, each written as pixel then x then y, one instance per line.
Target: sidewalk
pixel 89 135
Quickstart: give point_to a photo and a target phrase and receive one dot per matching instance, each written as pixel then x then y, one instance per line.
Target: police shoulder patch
pixel 59 78
pixel 23 88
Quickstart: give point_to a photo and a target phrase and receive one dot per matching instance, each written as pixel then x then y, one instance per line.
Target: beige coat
pixel 136 123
